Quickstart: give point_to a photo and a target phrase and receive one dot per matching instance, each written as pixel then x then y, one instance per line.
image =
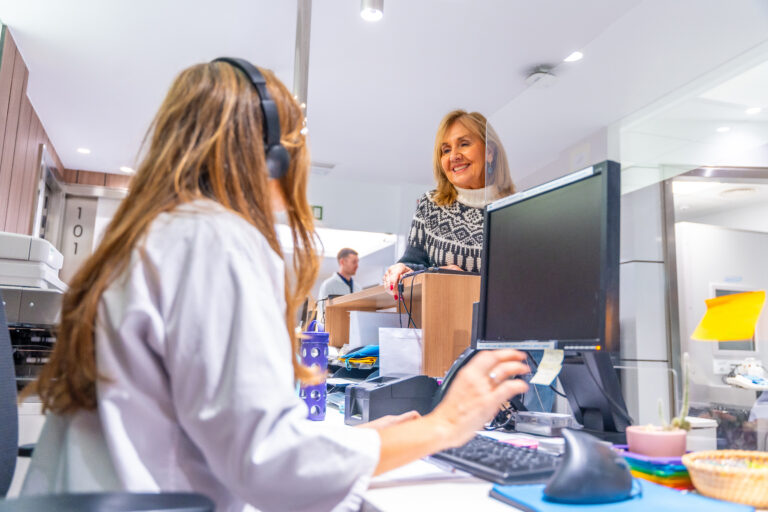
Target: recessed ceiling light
pixel 574 57
pixel 753 110
pixel 127 170
pixel 724 129
pixel 372 10
pixel 84 151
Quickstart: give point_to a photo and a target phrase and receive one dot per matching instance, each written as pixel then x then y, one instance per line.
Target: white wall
pixel 712 255
pixel 366 206
pixel 642 306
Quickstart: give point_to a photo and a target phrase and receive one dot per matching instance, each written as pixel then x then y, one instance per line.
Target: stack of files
pixel 666 471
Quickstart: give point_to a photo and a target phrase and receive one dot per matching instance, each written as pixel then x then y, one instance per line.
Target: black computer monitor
pixel 550 279
pixel 550 273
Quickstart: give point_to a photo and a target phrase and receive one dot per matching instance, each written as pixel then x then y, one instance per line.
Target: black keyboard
pixel 500 462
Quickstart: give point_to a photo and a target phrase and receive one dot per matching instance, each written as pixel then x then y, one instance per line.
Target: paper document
pixel 549 367
pixel 730 317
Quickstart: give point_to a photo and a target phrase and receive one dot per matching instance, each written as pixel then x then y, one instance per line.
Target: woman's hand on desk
pixel 390 419
pixel 478 392
pixel 475 396
pixel 392 277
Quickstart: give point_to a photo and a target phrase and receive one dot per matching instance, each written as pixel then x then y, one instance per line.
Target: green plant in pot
pixel 667 440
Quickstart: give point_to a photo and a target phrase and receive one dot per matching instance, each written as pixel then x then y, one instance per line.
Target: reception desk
pixel 441 305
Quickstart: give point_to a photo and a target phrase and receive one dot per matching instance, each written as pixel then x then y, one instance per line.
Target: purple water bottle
pixel 314 354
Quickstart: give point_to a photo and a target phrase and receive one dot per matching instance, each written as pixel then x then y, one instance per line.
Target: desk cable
pixel 401 299
pixel 618 409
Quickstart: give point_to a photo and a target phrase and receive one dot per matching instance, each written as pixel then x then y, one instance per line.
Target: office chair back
pixel 111 502
pixel 9 413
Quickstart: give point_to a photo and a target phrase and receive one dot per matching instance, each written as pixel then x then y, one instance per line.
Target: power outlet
pixel 722 366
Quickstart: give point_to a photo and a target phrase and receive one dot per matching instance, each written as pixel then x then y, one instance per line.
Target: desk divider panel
pixel 442 308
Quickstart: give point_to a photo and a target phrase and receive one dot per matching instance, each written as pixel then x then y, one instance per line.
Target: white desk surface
pixel 422 485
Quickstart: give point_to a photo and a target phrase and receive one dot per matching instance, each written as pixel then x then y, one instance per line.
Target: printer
pixel 29 280
pixel 391 394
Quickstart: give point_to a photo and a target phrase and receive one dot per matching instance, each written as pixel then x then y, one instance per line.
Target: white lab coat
pixel 198 392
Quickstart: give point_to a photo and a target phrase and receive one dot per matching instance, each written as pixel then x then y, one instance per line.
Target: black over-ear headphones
pixel 277 156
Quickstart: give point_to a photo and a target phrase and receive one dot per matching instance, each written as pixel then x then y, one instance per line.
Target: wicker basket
pixel 741 485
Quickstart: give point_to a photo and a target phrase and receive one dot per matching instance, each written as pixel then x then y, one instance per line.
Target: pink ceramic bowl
pixel 656 443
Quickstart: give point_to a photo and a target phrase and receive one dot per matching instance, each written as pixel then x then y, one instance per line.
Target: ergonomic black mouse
pixel 591 472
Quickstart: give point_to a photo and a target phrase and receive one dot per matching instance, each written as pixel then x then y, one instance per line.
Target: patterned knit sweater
pixel 445 235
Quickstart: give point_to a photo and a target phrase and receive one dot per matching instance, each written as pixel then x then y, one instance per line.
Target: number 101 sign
pixel 77 233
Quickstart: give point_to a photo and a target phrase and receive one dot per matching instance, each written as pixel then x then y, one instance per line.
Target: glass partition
pixel 499 182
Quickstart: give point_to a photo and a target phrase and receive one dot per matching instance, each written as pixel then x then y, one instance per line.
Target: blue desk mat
pixel 656 498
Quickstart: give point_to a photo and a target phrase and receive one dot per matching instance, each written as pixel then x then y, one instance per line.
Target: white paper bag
pixel 400 351
pixel 364 326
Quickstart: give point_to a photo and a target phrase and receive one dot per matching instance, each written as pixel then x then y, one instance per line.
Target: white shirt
pixel 334 285
pixel 478 197
pixel 199 392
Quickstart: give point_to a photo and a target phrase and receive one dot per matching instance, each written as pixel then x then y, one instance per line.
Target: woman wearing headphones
pixel 447 228
pixel 175 362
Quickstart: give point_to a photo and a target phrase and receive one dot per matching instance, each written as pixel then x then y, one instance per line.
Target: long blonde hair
pixel 477 124
pixel 205 141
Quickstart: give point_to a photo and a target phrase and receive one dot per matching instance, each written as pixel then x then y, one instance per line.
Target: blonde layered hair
pixel 477 124
pixel 206 141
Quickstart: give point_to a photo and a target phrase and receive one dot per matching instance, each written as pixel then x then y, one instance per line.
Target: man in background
pixel 341 283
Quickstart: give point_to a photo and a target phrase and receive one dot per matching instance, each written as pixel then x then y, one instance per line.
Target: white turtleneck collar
pixel 476 197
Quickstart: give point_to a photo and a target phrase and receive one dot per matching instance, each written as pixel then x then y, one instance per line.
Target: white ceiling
pixel 696 198
pixel 99 69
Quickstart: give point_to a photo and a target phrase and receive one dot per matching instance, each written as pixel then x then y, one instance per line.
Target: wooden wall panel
pixel 91 178
pixel 18 83
pixel 21 132
pixel 70 176
pixel 118 181
pixel 29 187
pixel 6 74
pixel 18 166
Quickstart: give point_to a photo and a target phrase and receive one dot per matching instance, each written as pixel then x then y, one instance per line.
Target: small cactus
pixel 679 421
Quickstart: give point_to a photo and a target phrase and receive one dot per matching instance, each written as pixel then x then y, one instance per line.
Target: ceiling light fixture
pixel 738 192
pixel 724 129
pixel 574 57
pixel 753 110
pixel 127 170
pixel 84 151
pixel 372 10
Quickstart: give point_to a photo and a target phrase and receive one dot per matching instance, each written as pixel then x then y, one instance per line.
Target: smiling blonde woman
pixel 471 170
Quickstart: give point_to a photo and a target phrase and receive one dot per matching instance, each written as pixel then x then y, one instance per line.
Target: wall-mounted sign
pixel 77 233
pixel 317 212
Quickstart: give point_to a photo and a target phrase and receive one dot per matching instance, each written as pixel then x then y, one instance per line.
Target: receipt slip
pixel 549 367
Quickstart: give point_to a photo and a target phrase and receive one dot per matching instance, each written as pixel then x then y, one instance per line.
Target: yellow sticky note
pixel 730 317
pixel 549 367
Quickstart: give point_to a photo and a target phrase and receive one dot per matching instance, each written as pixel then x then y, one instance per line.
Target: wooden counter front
pixel 442 308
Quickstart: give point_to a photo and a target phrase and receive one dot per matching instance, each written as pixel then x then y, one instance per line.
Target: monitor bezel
pixel 608 340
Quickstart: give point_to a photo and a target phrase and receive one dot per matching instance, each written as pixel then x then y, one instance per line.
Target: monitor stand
pixel 587 378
